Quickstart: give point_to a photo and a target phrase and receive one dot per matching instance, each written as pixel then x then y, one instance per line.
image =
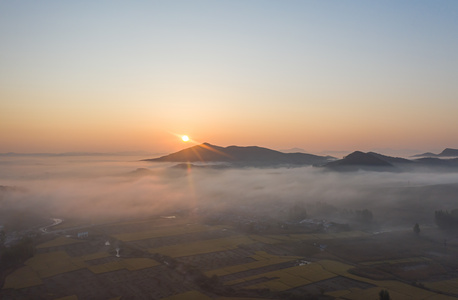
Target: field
pixel 202 247
pixel 262 259
pixel 170 259
pixel 161 232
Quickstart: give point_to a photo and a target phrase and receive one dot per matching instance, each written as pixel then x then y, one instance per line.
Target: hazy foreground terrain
pixel 221 233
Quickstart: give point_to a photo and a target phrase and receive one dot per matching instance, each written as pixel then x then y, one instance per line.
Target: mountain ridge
pixel 247 155
pixel 447 152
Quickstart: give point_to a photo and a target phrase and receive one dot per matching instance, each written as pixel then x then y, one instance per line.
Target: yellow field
pixel 21 278
pixel 404 291
pixel 164 231
pixel 233 298
pixel 440 297
pixel 397 261
pixel 262 259
pixel 448 286
pixel 313 272
pixel 288 278
pixel 201 247
pixel 72 297
pixel 60 241
pixel 49 264
pixel 53 263
pixel 95 255
pixel 338 294
pixel 192 295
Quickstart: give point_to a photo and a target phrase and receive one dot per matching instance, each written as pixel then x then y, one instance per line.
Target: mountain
pixel 359 160
pixel 390 159
pixel 241 156
pixel 293 150
pixel 378 162
pixel 426 154
pixel 363 161
pixel 447 152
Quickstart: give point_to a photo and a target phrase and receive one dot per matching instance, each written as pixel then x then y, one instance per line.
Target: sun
pixel 185 138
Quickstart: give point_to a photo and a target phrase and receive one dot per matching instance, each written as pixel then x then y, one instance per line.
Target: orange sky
pixel 321 76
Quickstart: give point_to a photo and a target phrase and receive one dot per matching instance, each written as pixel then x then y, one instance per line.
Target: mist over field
pixel 100 189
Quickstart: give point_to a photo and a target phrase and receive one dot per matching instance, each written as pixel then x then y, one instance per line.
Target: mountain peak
pixel 449 152
pixel 359 160
pixel 251 155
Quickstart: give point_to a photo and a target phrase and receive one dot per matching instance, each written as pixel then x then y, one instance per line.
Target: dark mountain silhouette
pixel 447 152
pixel 427 154
pixel 293 150
pixel 378 162
pixel 235 155
pixel 360 160
pixel 390 159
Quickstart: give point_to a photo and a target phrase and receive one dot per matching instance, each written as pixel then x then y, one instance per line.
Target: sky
pixel 109 76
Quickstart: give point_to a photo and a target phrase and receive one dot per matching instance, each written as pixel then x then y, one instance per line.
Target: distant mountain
pixel 360 160
pixel 426 154
pixel 390 159
pixel 447 152
pixel 241 156
pixel 378 162
pixel 293 150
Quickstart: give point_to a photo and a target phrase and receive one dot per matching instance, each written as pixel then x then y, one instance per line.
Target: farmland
pixel 184 258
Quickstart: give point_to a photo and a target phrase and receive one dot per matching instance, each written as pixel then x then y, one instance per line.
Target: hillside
pixel 360 160
pixel 447 152
pixel 252 155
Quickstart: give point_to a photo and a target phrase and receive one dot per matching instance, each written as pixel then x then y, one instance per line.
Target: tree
pixel 364 216
pixel 416 229
pixel 384 295
pixel 447 220
pixel 2 237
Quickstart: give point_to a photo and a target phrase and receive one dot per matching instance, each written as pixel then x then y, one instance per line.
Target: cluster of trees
pixel 17 253
pixel 384 295
pixel 364 216
pixel 297 211
pixel 446 220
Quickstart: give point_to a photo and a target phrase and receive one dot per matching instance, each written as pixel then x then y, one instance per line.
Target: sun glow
pixel 185 138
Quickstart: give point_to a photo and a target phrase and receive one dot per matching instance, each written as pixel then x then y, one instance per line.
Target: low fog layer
pixel 110 188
